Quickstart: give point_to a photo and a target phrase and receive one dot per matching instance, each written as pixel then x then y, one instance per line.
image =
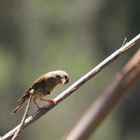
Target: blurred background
pixel 38 36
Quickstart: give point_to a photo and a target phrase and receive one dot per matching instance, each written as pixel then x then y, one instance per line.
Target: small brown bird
pixel 42 87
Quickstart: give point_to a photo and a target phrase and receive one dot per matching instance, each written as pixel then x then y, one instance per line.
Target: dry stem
pixel 107 101
pixel 74 86
pixel 23 119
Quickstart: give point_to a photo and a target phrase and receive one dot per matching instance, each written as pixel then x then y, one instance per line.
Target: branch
pixel 107 101
pixel 75 86
pixel 23 119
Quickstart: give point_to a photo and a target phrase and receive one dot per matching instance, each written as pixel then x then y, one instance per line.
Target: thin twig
pixel 124 42
pixel 74 86
pixel 23 119
pixel 114 93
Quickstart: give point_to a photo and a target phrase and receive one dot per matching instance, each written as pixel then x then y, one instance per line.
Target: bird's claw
pixel 52 102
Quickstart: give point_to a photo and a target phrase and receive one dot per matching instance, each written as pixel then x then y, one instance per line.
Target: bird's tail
pixel 21 103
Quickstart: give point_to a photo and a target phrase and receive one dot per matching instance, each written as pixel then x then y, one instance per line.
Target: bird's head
pixel 60 76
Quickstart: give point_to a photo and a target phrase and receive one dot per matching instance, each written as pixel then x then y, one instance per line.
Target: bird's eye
pixel 65 77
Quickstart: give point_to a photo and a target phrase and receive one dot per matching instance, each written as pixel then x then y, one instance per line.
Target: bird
pixel 42 87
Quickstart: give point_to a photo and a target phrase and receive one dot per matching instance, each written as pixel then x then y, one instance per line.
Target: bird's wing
pixel 37 84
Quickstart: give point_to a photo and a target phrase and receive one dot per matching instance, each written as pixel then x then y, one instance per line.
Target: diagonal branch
pixel 75 86
pixel 107 101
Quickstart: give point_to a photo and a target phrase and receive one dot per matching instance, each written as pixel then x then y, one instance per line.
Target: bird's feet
pixel 52 102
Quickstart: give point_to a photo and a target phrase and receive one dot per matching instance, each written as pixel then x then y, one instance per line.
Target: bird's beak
pixel 65 81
